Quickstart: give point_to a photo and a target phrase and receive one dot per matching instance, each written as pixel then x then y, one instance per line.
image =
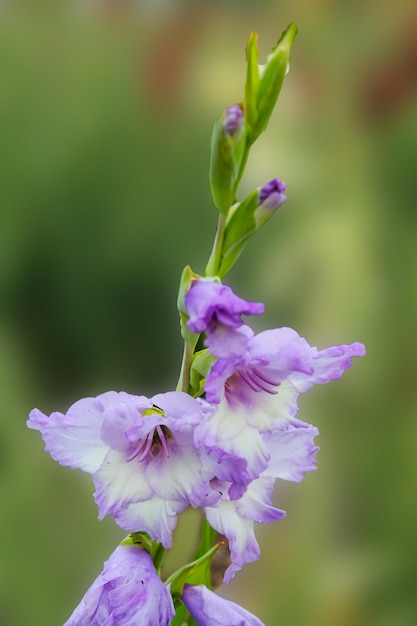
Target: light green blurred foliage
pixel 105 116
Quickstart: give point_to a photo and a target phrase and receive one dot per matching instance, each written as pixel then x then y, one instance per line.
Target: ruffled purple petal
pixel 327 365
pixel 208 303
pixel 235 520
pixel 128 592
pixel 209 609
pixel 292 451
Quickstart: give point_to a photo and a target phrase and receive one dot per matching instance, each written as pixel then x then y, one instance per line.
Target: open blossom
pixel 209 609
pixel 128 592
pixel 214 309
pixel 256 393
pixel 140 453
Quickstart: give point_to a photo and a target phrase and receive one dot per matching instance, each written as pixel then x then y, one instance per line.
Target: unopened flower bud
pixel 228 143
pixel 264 82
pixel 272 194
pixel 233 119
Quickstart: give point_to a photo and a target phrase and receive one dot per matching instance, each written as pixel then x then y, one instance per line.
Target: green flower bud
pixel 263 83
pixel 228 142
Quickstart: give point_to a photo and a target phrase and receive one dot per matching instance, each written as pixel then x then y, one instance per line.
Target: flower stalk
pixel 229 432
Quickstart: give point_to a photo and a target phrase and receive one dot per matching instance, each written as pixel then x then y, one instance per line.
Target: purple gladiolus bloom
pixel 233 119
pixel 216 310
pixel 209 609
pixel 272 194
pixel 128 592
pixel 140 452
pixel 256 393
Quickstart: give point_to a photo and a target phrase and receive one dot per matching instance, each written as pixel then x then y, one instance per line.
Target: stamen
pixel 249 381
pixel 149 442
pixel 267 379
pixel 137 450
pixel 257 381
pixel 158 438
pixel 262 384
pixel 163 440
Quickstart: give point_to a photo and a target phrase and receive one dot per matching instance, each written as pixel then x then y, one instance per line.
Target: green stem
pixel 184 379
pixel 215 257
pixel 242 167
pixel 159 555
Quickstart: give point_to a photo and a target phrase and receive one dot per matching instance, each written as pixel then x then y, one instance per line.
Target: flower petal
pixel 328 364
pixel 74 439
pixel 239 449
pixel 292 452
pixel 208 303
pixel 235 520
pixel 209 609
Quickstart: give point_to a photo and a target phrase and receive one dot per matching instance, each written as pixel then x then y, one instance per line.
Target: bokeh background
pixel 105 116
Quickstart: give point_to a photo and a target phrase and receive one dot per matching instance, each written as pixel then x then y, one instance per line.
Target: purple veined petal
pixel 209 609
pixel 269 359
pixel 276 367
pixel 250 392
pixel 128 591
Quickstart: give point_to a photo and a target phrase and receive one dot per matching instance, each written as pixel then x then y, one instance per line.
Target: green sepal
pixel 143 539
pixel 272 76
pixel 226 156
pixel 195 573
pixel 200 366
pixel 252 79
pixel 186 280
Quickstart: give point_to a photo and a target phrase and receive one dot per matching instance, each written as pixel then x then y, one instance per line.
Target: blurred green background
pixel 105 116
